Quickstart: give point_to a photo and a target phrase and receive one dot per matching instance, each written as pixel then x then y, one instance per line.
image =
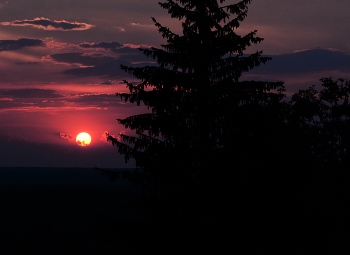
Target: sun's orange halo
pixel 83 139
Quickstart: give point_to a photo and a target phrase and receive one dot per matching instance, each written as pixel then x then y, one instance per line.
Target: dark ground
pixel 77 211
pixel 59 211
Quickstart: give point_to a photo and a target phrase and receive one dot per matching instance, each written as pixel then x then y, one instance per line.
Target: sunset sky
pixel 59 67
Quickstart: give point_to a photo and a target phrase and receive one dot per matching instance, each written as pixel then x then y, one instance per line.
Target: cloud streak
pixel 46 99
pixel 9 45
pixel 30 93
pixel 82 59
pixel 47 24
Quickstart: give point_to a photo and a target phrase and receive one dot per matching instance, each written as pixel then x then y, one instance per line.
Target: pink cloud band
pixel 47 24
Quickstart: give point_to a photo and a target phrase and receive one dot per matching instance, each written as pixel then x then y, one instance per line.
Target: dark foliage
pixel 241 168
pixel 200 112
pixel 322 118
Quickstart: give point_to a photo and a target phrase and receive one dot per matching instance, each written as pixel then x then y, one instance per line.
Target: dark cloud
pixel 305 62
pixel 125 52
pixel 109 82
pixel 97 64
pixel 92 64
pixel 30 98
pixel 107 69
pixel 132 55
pixel 308 61
pixel 47 24
pixel 82 59
pixel 98 101
pixel 29 93
pixel 104 45
pixel 7 45
pixel 27 63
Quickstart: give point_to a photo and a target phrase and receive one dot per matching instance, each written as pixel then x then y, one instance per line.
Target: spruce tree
pixel 200 112
pixel 204 120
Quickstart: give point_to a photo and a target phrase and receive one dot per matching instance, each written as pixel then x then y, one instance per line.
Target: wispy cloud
pixel 47 24
pixel 66 136
pixel 134 24
pixel 7 45
pixel 136 46
pixel 120 29
pixel 103 137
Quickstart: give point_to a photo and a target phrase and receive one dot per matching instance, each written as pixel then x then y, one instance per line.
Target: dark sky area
pixel 59 67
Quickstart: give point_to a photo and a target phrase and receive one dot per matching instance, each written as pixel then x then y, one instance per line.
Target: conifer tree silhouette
pixel 203 119
pixel 201 114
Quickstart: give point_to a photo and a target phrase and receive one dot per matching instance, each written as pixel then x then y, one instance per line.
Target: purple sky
pixel 59 67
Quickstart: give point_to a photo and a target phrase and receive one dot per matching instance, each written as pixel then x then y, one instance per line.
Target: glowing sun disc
pixel 83 139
